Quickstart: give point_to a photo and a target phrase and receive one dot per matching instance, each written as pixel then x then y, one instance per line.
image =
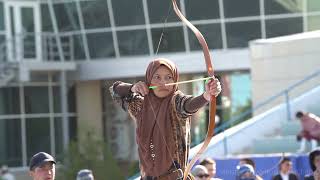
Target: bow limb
pixel 210 71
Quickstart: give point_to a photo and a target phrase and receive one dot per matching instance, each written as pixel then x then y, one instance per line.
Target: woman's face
pixel 161 77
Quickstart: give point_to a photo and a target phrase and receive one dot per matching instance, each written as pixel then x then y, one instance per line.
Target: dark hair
pixel 283 160
pixel 207 161
pixel 312 156
pixel 249 161
pixel 299 114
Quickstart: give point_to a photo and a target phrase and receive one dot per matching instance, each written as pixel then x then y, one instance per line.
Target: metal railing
pixel 26 47
pixel 284 93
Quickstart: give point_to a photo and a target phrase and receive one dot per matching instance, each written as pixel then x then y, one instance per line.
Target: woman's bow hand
pixel 213 88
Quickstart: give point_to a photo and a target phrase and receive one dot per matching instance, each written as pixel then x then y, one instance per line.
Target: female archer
pixel 162 116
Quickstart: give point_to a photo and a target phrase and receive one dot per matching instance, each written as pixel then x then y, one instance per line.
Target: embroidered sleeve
pixel 180 101
pixel 122 95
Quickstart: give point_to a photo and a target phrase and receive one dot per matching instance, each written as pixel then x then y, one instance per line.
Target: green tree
pixel 91 154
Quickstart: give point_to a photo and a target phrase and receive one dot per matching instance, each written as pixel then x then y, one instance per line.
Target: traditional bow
pixel 210 71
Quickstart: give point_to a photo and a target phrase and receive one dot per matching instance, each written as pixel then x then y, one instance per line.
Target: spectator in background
pixel 285 173
pixel 250 162
pixel 314 160
pixel 310 124
pixel 42 167
pixel 5 173
pixel 210 164
pixel 85 174
pixel 245 172
pixel 200 172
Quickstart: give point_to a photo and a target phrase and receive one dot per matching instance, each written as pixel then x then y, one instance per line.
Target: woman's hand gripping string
pixel 140 88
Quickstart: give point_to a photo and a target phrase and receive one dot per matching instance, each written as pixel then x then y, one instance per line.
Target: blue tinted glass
pixel 67 16
pixel 9 100
pixel 1 16
pixel 101 45
pixel 10 141
pixel 239 33
pixel 36 100
pixel 95 14
pixel 282 7
pixel 202 9
pixel 211 33
pixel 172 39
pixel 234 8
pixel 281 27
pixel 133 42
pixel 161 10
pixel 45 18
pixel 128 12
pixel 38 136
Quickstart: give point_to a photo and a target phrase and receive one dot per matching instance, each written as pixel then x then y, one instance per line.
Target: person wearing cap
pixel 245 172
pixel 42 166
pixel 247 160
pixel 85 174
pixel 200 172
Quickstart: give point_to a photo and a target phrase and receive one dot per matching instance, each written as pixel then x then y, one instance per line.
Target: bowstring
pixel 163 28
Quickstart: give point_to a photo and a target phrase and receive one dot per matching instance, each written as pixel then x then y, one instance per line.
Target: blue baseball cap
pixel 39 159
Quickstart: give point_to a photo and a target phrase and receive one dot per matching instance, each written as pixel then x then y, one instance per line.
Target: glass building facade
pixel 100 30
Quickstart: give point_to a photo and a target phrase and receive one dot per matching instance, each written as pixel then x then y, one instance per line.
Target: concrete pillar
pixel 89 109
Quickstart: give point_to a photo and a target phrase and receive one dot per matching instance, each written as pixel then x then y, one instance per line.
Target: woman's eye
pixel 169 78
pixel 156 77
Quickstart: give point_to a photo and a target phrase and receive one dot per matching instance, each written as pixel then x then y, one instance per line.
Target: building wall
pixel 280 62
pixel 89 109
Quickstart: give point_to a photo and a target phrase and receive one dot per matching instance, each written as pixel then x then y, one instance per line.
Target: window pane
pixel 45 18
pixel 172 39
pixel 160 10
pixel 36 100
pixel 58 137
pixel 29 40
pixel 73 128
pixel 72 99
pixel 239 33
pixel 282 7
pixel 100 45
pixel 70 46
pixel 280 27
pixel 67 16
pixel 241 8
pixel 212 34
pixel 95 14
pixel 56 99
pixel 9 100
pixel 78 48
pixel 128 12
pixel 202 9
pixel 313 23
pixel 10 140
pixel 133 42
pixel 313 5
pixel 38 136
pixel 1 16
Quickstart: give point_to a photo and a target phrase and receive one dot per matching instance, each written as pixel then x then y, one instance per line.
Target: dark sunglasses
pixel 203 175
